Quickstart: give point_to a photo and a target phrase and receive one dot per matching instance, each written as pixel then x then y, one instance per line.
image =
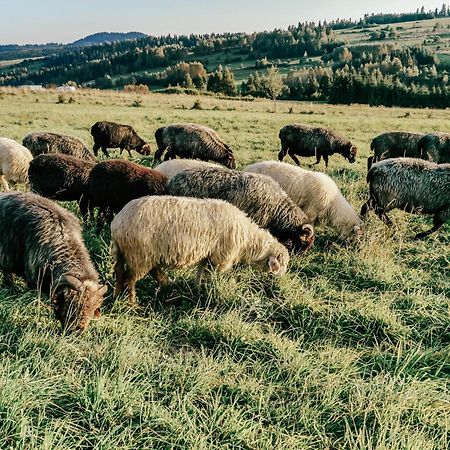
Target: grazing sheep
pixel 192 141
pixel 303 140
pixel 14 162
pixel 113 183
pixel 151 233
pixel 41 142
pixel 62 177
pixel 414 185
pixel 395 144
pixel 114 135
pixel 41 242
pixel 436 147
pixel 257 195
pixel 315 193
pixel 173 166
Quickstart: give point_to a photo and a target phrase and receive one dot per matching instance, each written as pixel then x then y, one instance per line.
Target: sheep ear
pixel 274 265
pixel 97 313
pixel 103 289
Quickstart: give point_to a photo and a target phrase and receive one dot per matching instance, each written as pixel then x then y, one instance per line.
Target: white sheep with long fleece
pixel 14 162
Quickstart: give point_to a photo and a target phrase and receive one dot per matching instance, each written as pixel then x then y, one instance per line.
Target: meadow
pixel 349 350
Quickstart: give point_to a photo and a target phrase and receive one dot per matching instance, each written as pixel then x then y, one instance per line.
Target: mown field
pixel 350 350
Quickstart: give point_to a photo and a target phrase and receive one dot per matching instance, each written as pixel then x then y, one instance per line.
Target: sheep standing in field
pixel 173 166
pixel 315 193
pixel 62 177
pixel 395 144
pixel 14 162
pixel 115 135
pixel 113 183
pixel 257 195
pixel 151 233
pixel 414 185
pixel 192 141
pixel 41 142
pixel 41 242
pixel 436 147
pixel 303 140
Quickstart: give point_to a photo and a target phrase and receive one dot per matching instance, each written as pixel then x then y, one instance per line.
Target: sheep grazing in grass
pixel 62 177
pixel 41 242
pixel 113 183
pixel 315 193
pixel 436 147
pixel 192 141
pixel 115 135
pixel 172 167
pixel 304 140
pixel 257 195
pixel 395 144
pixel 41 142
pixel 14 162
pixel 414 185
pixel 152 233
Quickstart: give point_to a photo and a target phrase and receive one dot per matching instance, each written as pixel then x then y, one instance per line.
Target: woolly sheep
pixel 315 193
pixel 115 135
pixel 41 142
pixel 436 147
pixel 414 185
pixel 151 233
pixel 304 140
pixel 192 141
pixel 173 166
pixel 62 177
pixel 257 195
pixel 14 162
pixel 41 242
pixel 395 144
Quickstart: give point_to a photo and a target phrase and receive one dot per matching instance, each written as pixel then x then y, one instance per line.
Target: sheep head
pixel 145 150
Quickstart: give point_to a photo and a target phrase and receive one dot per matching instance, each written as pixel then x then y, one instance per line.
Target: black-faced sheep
pixel 41 142
pixel 41 242
pixel 14 162
pixel 113 183
pixel 315 193
pixel 395 144
pixel 115 135
pixel 192 141
pixel 257 195
pixel 152 233
pixel 303 140
pixel 172 167
pixel 414 185
pixel 62 177
pixel 436 147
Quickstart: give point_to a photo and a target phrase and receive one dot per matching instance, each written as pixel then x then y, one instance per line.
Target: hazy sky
pixel 43 21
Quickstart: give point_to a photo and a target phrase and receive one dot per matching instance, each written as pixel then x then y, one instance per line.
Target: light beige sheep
pixel 14 162
pixel 173 166
pixel 315 193
pixel 154 232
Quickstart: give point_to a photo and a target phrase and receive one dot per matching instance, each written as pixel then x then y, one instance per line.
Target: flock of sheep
pixel 198 210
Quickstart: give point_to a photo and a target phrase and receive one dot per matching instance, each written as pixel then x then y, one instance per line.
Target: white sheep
pixel 154 232
pixel 173 166
pixel 315 193
pixel 14 162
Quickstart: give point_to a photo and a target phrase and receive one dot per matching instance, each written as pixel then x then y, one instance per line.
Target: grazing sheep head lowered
pixel 144 150
pixel 350 153
pixel 276 260
pixel 301 242
pixel 76 302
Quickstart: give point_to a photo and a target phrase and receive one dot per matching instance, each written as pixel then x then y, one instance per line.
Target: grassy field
pixel 350 350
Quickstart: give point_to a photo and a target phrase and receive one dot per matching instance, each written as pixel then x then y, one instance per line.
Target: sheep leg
pixel 105 151
pixel 4 183
pixel 101 219
pixel 7 279
pixel 84 206
pixel 370 161
pixel 159 276
pixel 381 213
pixel 129 152
pixel 121 150
pixel 294 158
pixel 170 154
pixel 282 152
pixel 318 158
pixel 159 153
pixel 119 273
pixel 325 159
pixel 366 208
pixel 438 221
pixel 200 270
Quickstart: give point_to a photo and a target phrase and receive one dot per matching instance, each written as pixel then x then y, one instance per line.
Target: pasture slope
pixel 350 350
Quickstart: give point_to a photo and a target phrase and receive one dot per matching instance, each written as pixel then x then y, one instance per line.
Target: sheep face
pixel 349 152
pixel 302 241
pixel 229 160
pixel 76 303
pixel 275 262
pixel 144 150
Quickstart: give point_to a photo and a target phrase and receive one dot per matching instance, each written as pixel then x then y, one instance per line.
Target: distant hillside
pixel 101 38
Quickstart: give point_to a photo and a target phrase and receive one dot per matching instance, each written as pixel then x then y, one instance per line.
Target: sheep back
pixel 173 166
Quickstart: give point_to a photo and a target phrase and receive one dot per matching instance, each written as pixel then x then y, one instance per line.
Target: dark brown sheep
pixel 41 142
pixel 303 140
pixel 436 147
pixel 113 183
pixel 395 144
pixel 62 177
pixel 41 242
pixel 192 141
pixel 114 135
